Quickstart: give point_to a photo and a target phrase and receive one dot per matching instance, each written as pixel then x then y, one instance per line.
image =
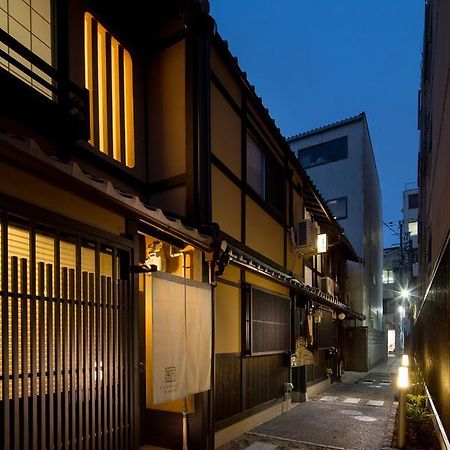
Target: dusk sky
pixel 316 62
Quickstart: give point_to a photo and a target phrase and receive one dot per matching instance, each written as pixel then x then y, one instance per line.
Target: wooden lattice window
pixel 109 79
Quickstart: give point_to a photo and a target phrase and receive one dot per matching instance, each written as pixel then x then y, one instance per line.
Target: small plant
pixel 416 407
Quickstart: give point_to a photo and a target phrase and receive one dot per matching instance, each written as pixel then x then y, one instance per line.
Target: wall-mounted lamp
pixel 341 316
pixel 405 361
pixel 322 243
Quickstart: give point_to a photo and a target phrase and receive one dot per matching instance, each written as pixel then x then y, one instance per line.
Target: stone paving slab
pixel 353 400
pixel 262 446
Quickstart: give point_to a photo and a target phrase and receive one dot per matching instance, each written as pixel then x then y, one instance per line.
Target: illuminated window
pixel 109 79
pixel 30 24
pixel 412 228
pixel 388 276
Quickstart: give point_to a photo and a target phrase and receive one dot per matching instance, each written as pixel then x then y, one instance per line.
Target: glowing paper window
pixel 109 79
pixel 29 23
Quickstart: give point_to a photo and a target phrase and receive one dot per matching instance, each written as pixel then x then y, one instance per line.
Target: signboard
pixel 302 356
pixel 181 337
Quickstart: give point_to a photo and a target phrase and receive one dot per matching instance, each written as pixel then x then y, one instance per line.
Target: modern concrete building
pixel 430 334
pixel 340 160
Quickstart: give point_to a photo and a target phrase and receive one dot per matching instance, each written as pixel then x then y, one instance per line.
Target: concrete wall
pixel 372 235
pixel 356 178
pixel 341 178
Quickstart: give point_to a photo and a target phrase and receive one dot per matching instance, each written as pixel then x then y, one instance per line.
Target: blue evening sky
pixel 318 61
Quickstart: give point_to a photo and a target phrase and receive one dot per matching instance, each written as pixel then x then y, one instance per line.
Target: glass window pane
pixel 413 201
pixel 324 153
pixel 255 167
pixel 338 207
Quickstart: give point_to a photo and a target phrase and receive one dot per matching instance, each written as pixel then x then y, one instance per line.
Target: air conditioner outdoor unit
pixel 327 285
pixel 307 232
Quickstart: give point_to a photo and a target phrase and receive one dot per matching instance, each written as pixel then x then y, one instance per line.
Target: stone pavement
pixel 356 413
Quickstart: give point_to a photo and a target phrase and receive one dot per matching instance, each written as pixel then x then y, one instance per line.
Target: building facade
pixel 124 325
pixel 340 160
pixel 430 335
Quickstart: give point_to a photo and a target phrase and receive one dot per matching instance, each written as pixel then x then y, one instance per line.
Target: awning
pixel 243 259
pixel 24 151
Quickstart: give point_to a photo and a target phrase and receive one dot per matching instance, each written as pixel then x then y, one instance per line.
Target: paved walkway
pixel 356 413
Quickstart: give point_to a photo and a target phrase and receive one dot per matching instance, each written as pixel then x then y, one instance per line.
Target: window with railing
pixel 29 24
pixel 109 79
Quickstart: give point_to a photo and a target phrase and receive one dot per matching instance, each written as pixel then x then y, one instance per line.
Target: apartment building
pixel 340 160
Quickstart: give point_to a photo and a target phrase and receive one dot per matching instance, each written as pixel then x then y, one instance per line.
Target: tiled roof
pixel 327 127
pixel 153 216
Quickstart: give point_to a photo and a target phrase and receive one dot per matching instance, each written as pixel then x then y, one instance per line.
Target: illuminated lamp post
pixel 403 384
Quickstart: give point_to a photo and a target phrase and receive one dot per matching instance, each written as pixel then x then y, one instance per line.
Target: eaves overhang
pixel 68 175
pixel 247 261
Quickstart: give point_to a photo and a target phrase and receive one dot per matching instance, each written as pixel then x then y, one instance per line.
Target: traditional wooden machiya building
pixel 124 325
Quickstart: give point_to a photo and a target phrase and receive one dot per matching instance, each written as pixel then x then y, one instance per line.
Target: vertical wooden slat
pixel 58 345
pixel 33 341
pixel 115 366
pixel 94 92
pixel 127 356
pixel 110 366
pixel 5 334
pixel 50 394
pixel 65 343
pixel 121 358
pixel 24 339
pixel 123 156
pixel 15 348
pixel 41 321
pixel 104 358
pixel 79 346
pixel 91 309
pixel 108 112
pixel 85 354
pixel 73 362
pixel 99 362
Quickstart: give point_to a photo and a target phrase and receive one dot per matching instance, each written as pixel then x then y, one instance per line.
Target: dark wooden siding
pixel 265 378
pixel 261 377
pixel 228 385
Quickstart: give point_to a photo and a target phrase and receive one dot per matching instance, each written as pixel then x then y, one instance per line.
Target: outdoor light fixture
pixel 322 243
pixel 405 360
pixel 341 316
pixel 403 384
pixel 403 378
pixel 405 293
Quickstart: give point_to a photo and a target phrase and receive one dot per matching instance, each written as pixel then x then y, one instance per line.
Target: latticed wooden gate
pixel 65 340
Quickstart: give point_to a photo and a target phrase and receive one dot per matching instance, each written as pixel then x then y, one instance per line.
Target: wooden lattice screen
pixel 65 343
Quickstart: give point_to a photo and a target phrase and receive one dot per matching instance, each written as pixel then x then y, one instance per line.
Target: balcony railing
pixel 72 99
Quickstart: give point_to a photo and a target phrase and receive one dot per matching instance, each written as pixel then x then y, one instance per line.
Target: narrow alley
pixel 362 404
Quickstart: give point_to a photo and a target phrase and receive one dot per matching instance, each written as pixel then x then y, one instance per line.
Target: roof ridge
pixel 361 115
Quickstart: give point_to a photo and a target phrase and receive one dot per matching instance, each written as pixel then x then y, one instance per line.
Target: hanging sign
pixel 181 337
